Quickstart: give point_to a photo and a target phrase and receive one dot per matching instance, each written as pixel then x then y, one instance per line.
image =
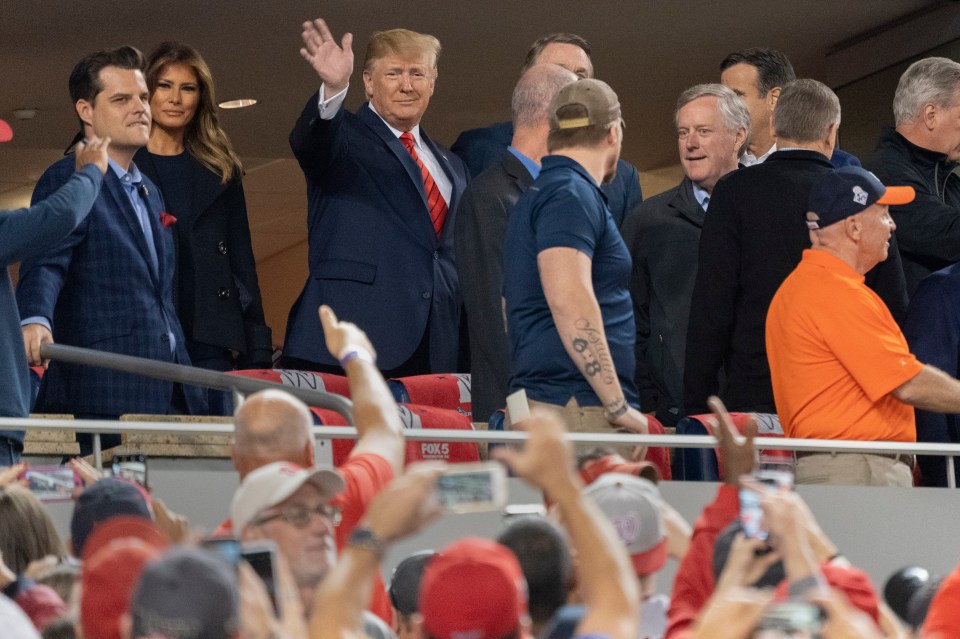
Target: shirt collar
pixel 701 195
pixel 528 163
pixel 831 263
pixel 415 131
pixel 133 173
pixel 550 162
pixel 749 159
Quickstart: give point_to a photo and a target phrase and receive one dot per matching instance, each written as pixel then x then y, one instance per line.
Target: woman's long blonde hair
pixel 203 139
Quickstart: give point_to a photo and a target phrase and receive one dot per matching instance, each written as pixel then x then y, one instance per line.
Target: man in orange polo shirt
pixel 841 367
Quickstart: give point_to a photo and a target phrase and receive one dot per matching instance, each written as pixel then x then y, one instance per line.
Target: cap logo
pixel 628 528
pixel 859 196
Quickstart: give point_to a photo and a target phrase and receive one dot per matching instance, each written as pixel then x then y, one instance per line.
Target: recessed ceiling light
pixel 238 104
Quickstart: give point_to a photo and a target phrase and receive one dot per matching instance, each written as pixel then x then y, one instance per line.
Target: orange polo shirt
pixel 835 355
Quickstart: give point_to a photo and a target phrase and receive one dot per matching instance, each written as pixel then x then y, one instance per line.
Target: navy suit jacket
pixel 374 256
pixel 100 290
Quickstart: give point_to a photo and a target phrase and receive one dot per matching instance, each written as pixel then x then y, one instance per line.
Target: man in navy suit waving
pixel 382 201
pixel 108 285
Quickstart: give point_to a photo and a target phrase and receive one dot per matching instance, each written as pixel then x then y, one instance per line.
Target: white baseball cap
pixel 272 484
pixel 633 505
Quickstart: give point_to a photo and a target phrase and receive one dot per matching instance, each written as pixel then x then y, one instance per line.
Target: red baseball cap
pixel 6 133
pixel 121 527
pixel 108 580
pixel 853 582
pixel 473 589
pixel 614 463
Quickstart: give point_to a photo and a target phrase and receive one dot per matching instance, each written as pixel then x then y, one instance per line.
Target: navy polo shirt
pixel 564 208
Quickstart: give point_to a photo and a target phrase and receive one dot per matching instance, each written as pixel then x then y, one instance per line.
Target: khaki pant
pixel 586 419
pixel 853 469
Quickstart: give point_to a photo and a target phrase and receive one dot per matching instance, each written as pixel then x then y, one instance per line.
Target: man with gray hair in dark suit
pixel 481 224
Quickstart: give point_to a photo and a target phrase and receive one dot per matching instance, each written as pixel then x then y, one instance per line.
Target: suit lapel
pixel 686 203
pixel 516 170
pixel 396 147
pixel 161 236
pixel 129 216
pixel 418 221
pixel 457 183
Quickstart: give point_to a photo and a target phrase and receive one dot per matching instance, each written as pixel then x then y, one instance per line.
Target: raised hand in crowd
pixel 343 337
pixel 332 62
pixel 608 584
pixel 843 621
pixel 10 474
pixel 92 151
pixel 257 617
pixel 407 505
pixel 738 453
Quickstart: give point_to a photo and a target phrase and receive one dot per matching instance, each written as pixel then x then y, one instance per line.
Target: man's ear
pixel 367 84
pixel 418 630
pixel 772 96
pixel 85 111
pixel 929 115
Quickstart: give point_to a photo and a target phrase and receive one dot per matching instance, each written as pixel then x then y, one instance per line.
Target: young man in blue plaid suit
pixel 109 285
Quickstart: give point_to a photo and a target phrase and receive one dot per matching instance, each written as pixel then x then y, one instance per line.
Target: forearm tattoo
pixel 589 345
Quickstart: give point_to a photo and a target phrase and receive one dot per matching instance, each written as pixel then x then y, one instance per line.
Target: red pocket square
pixel 167 220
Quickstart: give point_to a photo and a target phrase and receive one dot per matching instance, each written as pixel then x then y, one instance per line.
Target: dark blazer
pixel 481 225
pixel 374 256
pixel 101 291
pixel 663 235
pixel 25 232
pixel 482 148
pixel 753 237
pixel 214 251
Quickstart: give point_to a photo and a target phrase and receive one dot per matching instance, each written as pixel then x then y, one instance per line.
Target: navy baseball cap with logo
pixel 844 192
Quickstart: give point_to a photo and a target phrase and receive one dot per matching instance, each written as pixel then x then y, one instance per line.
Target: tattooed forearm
pixel 591 346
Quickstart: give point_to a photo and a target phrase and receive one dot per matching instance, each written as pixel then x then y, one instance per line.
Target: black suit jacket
pixel 481 225
pixel 753 237
pixel 218 295
pixel 663 235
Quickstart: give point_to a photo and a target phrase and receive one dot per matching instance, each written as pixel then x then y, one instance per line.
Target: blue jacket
pixel 25 232
pixel 100 290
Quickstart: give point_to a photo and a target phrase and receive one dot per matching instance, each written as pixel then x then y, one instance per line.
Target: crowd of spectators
pixel 770 277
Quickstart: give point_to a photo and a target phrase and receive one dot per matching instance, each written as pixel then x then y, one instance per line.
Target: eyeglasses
pixel 299 516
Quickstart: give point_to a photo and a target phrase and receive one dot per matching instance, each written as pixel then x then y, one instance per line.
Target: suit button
pixel 223 293
pixel 425 295
pixel 436 256
pixel 222 247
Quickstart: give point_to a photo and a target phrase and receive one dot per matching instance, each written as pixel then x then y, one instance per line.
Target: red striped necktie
pixel 435 202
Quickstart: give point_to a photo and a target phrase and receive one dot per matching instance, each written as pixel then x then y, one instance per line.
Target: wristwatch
pixel 365 538
pixel 613 415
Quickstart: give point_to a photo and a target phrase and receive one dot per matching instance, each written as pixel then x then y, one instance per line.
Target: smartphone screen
pixel 51 483
pixel 473 487
pixel 131 467
pixel 260 556
pixel 790 620
pixel 226 547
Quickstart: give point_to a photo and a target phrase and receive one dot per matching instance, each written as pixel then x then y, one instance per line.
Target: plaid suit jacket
pixel 100 290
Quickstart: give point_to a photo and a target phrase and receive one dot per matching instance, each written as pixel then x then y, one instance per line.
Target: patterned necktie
pixel 438 208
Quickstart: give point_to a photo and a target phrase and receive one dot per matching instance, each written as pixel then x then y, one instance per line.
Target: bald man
pixel 273 426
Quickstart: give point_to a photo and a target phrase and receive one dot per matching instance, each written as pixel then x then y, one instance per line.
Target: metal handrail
pixel 450 435
pixel 190 375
